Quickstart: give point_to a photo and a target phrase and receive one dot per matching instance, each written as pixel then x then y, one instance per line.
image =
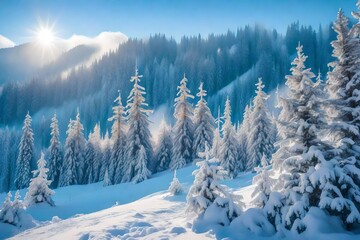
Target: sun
pixel 45 36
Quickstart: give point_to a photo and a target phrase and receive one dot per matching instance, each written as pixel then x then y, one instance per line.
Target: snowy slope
pixel 147 211
pixel 143 209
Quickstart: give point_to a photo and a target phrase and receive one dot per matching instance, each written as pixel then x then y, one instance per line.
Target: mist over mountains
pixel 32 60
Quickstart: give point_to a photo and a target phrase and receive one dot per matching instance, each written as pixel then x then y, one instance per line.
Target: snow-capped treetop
pixel 118 119
pixel 183 92
pixel 227 116
pixel 41 172
pixel 96 135
pixel 218 120
pixel 55 134
pixel 340 74
pixel 202 92
pixel 136 100
pixel 75 129
pixel 300 76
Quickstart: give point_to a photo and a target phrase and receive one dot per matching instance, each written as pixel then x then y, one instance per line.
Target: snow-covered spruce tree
pixel 229 146
pixel 25 158
pixel 55 154
pixel 271 202
pixel 164 147
pixel 243 138
pixel 299 148
pixel 263 184
pixel 14 212
pixel 118 137
pixel 343 86
pixel 74 164
pixel 207 193
pixel 105 156
pixel 138 146
pixel 141 167
pixel 216 144
pixel 175 186
pixel 337 180
pixel 7 213
pixel 106 181
pixel 20 217
pixel 93 156
pixel 261 137
pixel 203 123
pixel 39 190
pixel 183 130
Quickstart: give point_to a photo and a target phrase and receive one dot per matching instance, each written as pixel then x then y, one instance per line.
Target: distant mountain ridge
pixel 26 61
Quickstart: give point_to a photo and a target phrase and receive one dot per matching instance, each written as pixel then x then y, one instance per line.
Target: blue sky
pixel 140 18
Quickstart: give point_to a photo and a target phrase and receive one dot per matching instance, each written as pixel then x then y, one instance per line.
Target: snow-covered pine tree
pixel 206 192
pixel 55 154
pixel 216 144
pixel 183 130
pixel 106 181
pixel 343 86
pixel 7 213
pixel 89 157
pixel 93 156
pixel 105 156
pixel 175 186
pixel 73 166
pixel 263 184
pixel 39 190
pixel 261 137
pixel 25 158
pixel 299 149
pixel 20 217
pixel 337 179
pixel 243 138
pixel 141 167
pixel 203 123
pixel 164 147
pixel 138 146
pixel 229 146
pixel 118 137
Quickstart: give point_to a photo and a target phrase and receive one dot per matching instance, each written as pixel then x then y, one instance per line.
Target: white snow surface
pixel 147 211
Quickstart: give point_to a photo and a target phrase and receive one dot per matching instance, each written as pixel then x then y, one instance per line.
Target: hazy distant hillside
pixel 30 60
pixel 228 64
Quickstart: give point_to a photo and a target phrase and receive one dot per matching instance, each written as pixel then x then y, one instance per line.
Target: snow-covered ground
pixel 123 210
pixel 147 211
